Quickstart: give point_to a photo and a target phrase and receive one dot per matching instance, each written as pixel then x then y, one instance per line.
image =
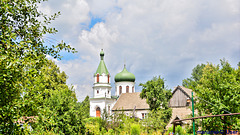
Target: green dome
pixel 124 76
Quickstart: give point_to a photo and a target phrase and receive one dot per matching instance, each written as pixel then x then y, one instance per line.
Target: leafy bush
pixel 135 129
pixel 178 130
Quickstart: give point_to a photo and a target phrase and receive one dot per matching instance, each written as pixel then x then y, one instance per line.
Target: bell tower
pixel 102 86
pixel 102 99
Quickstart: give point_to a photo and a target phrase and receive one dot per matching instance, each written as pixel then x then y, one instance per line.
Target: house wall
pixel 181 112
pixel 138 113
pixel 180 107
pixel 179 99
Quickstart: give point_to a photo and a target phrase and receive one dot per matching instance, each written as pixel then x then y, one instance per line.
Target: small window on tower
pixel 108 92
pixel 133 89
pixel 97 78
pixel 127 89
pixel 97 91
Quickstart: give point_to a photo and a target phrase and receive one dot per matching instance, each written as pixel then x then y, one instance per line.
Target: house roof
pixel 127 101
pixel 179 113
pixel 186 91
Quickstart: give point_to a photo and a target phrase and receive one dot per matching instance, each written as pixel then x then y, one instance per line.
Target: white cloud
pixel 167 37
pixel 102 8
pixel 74 15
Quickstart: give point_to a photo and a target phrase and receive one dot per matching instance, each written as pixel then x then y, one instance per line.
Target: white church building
pixel 129 101
pixel 125 98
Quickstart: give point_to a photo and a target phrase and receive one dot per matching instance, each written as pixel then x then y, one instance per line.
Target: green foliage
pixel 189 127
pixel 110 132
pixel 85 107
pixel 48 97
pixel 178 130
pixel 156 93
pixel 218 92
pixel 157 97
pixel 121 123
pixel 23 53
pixel 157 120
pixel 135 129
pixel 196 76
pixel 118 123
pixel 94 126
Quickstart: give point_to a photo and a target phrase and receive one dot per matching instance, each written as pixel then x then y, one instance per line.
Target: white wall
pixel 102 78
pixel 138 113
pixel 102 90
pixel 102 103
pixel 124 84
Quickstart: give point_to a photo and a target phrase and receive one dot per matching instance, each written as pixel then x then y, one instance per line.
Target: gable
pixel 180 95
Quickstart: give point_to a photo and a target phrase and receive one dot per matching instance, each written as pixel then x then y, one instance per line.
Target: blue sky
pixel 157 37
pixel 94 20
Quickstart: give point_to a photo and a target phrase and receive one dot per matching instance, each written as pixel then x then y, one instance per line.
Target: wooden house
pixel 180 104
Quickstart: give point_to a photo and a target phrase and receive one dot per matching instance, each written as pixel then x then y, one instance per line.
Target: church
pixel 125 98
pixel 129 101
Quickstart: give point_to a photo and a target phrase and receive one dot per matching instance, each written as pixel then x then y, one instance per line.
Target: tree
pixel 196 76
pixel 48 97
pixel 85 107
pixel 23 51
pixel 62 113
pixel 157 120
pixel 156 93
pixel 157 96
pixel 39 87
pixel 218 92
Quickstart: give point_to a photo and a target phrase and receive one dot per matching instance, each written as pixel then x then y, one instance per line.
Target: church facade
pixel 125 98
pixel 129 101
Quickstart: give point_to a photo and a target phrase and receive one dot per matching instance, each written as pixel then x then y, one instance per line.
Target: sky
pixel 152 37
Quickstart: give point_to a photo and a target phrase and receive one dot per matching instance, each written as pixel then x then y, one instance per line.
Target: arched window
pixel 133 89
pixel 127 89
pixel 108 78
pixel 97 91
pixel 97 78
pixel 98 112
pixel 120 90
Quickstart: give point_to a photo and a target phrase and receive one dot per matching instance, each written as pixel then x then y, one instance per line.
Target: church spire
pixel 102 67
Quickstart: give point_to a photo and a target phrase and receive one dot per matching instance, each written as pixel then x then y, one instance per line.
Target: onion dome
pixel 102 67
pixel 125 76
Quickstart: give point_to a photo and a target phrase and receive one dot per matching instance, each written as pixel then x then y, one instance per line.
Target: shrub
pixel 179 130
pixel 135 129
